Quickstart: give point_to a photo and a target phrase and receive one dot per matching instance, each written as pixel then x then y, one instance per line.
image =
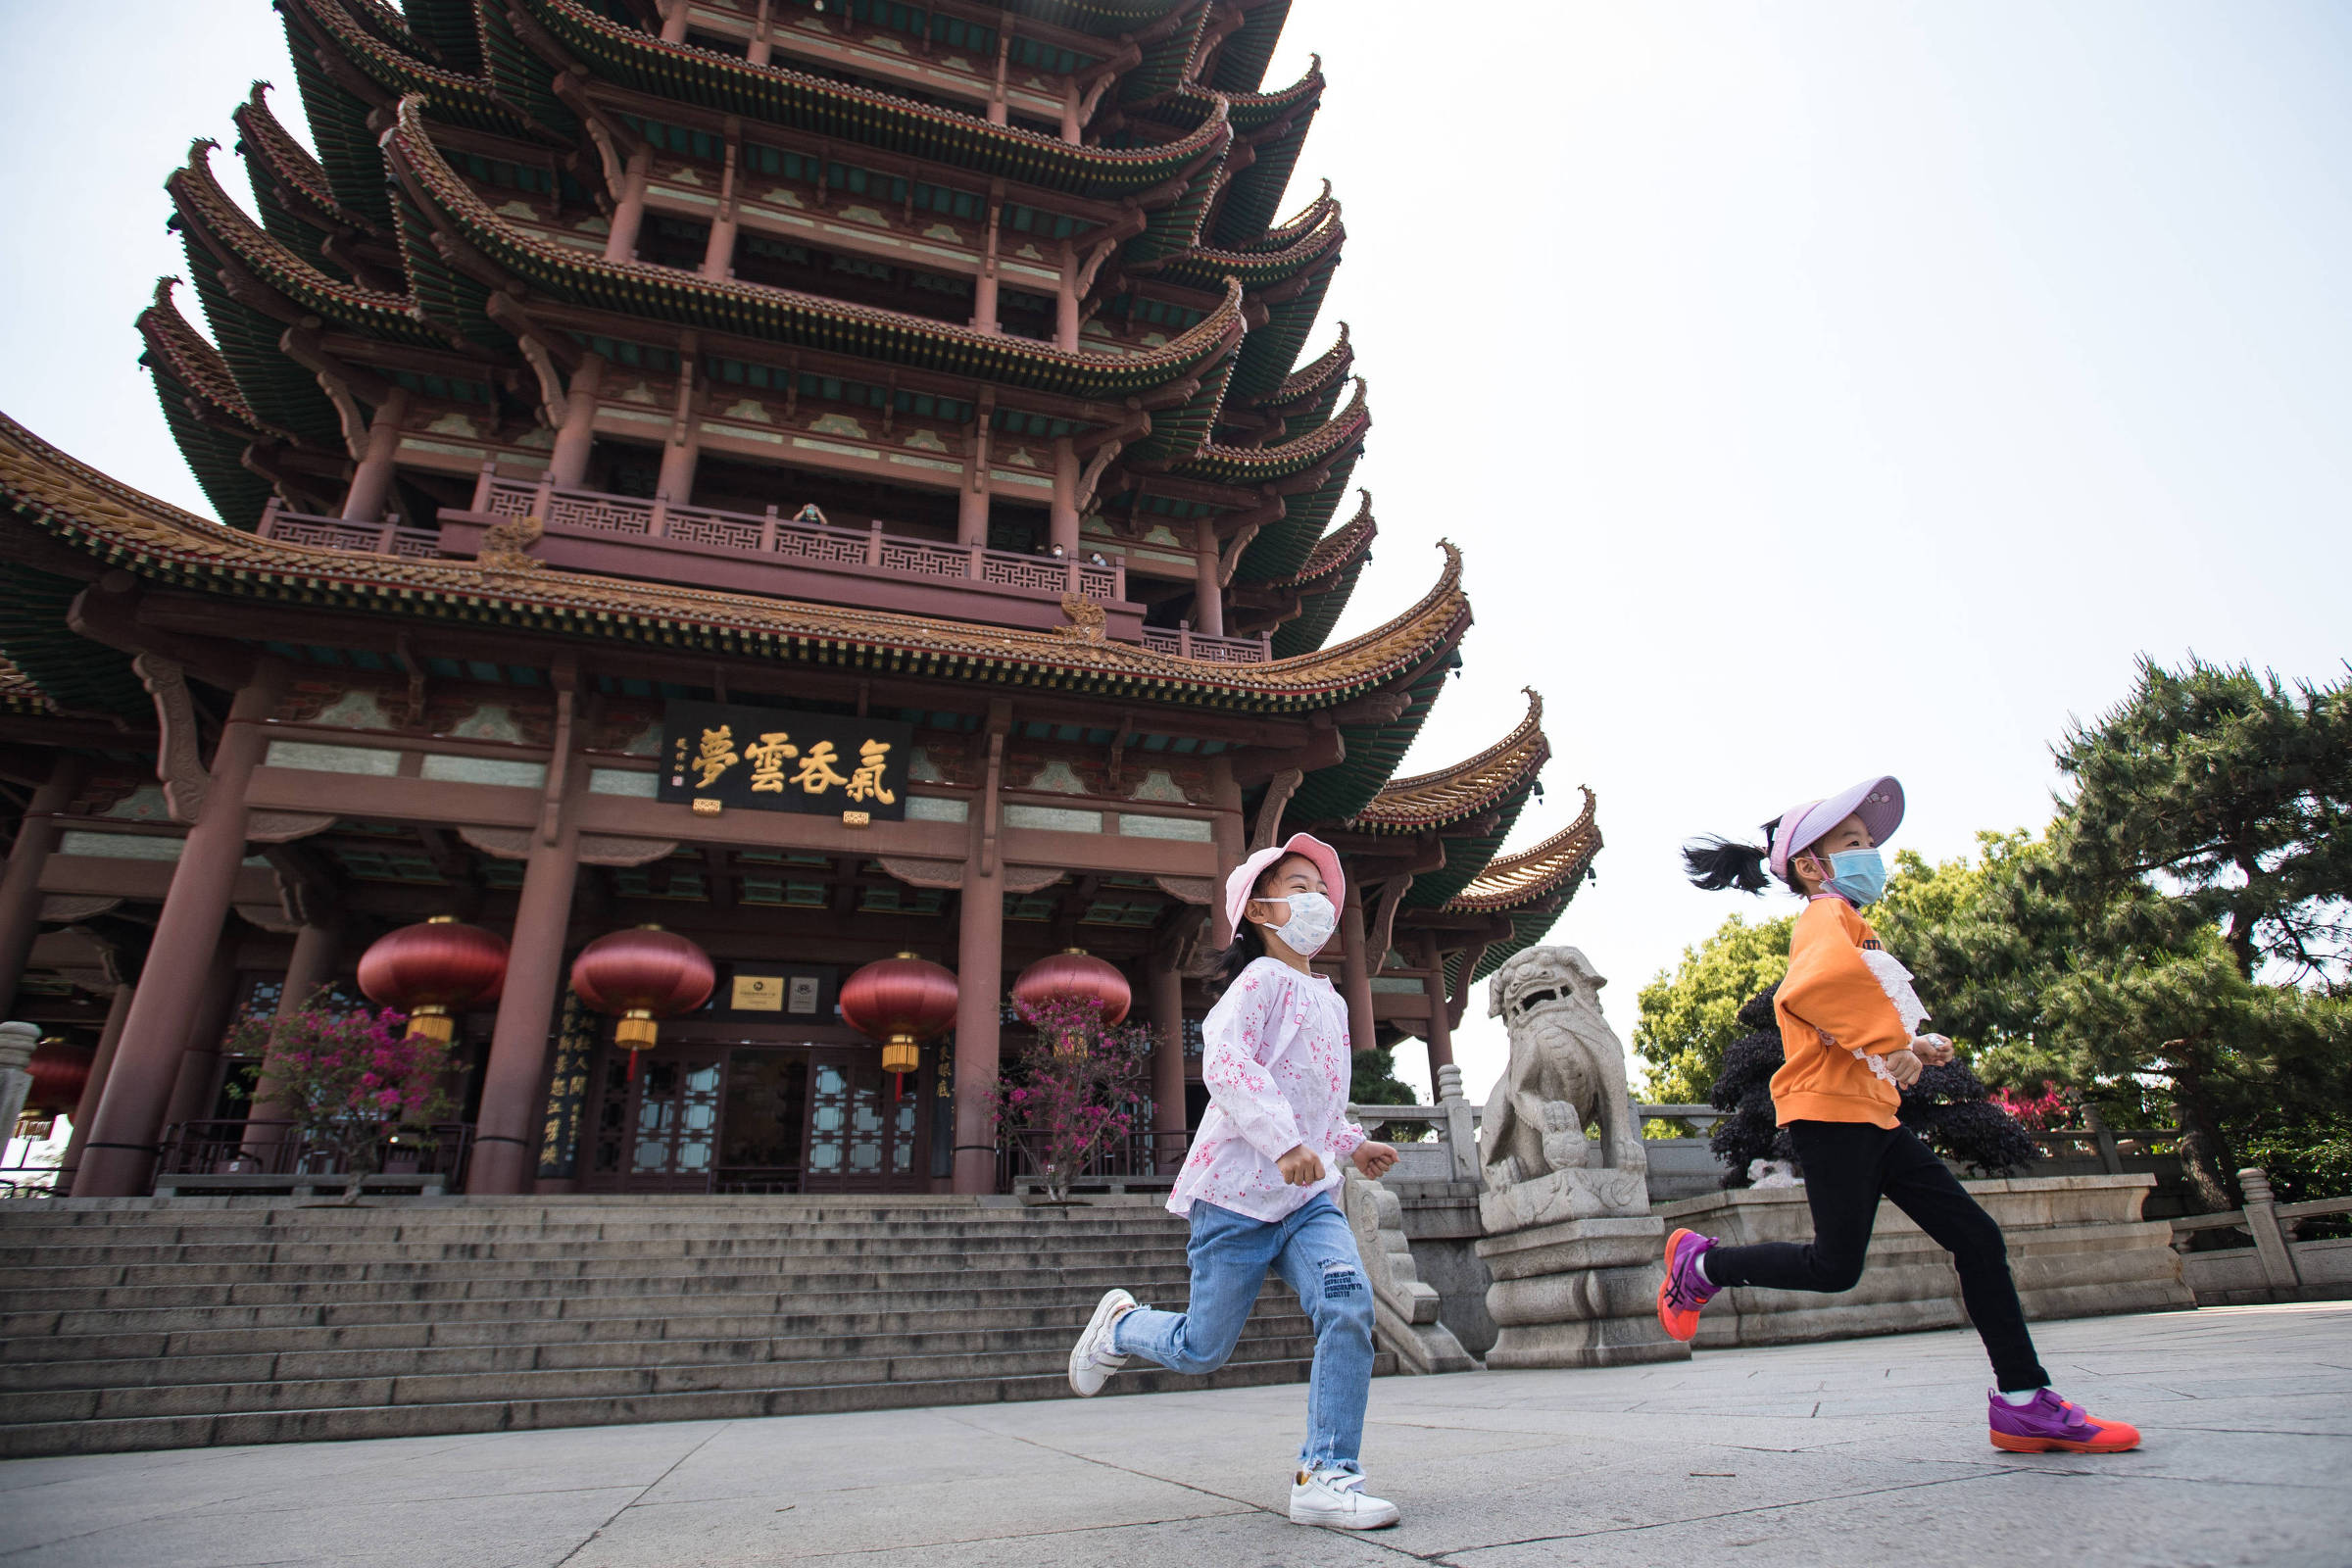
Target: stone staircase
pixel 161 1324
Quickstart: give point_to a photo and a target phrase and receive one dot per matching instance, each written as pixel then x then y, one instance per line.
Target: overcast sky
pixel 1817 390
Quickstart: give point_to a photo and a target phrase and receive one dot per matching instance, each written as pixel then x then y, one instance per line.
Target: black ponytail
pixel 1248 944
pixel 1714 862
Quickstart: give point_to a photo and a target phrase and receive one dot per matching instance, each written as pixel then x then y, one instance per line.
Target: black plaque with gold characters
pixel 771 759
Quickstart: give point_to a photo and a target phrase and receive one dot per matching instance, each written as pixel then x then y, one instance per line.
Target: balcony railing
pixel 569 512
pixel 1186 643
pixel 387 538
pixel 564 510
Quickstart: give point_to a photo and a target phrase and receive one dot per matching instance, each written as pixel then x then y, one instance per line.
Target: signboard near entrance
pixel 773 760
pixel 779 992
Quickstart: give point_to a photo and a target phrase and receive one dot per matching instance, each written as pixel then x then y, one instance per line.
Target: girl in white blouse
pixel 1258 1180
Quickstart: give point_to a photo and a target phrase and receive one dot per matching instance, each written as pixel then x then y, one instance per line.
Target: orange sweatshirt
pixel 1836 1022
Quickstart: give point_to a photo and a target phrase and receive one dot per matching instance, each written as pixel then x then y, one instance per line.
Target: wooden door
pixel 860 1139
pixel 658 1132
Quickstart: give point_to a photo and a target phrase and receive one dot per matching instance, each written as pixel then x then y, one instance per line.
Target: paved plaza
pixel 1869 1451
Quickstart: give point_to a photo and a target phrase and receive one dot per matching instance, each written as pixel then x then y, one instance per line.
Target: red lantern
pixel 642 976
pixel 901 1001
pixel 1077 975
pixel 430 970
pixel 61 1071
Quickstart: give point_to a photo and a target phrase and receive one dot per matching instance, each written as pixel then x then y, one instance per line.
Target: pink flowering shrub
pixel 1075 1093
pixel 348 1077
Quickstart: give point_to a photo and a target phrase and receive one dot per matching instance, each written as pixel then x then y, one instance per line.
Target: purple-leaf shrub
pixel 1075 1095
pixel 348 1077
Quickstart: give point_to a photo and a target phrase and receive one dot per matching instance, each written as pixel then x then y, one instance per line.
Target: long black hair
pixel 1715 862
pixel 1249 942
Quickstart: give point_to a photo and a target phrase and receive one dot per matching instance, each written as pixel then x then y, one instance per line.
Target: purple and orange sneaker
pixel 2050 1425
pixel 1685 1290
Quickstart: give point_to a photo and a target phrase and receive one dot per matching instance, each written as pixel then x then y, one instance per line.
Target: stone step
pixel 431 1385
pixel 354 1265
pixel 983 1286
pixel 617 1234
pixel 65 1215
pixel 261 1363
pixel 23 1438
pixel 196 1333
pixel 131 1326
pixel 427 1248
pixel 160 1317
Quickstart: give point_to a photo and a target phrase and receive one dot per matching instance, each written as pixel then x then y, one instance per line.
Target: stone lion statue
pixel 1566 1074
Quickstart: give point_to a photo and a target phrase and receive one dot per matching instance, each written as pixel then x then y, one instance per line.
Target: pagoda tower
pixel 627 380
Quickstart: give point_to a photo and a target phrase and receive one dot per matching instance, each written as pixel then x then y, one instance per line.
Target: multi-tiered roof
pixel 978 277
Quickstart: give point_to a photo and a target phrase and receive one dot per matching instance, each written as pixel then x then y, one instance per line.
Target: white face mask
pixel 1312 921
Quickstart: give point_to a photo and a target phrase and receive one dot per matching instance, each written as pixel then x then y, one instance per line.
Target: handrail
pixel 575 510
pixel 386 538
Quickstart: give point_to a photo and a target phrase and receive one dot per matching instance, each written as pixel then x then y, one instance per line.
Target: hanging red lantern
pixel 901 1001
pixel 1076 975
pixel 642 976
pixel 61 1071
pixel 431 970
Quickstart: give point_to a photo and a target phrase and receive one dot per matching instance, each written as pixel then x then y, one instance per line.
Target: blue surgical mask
pixel 1859 875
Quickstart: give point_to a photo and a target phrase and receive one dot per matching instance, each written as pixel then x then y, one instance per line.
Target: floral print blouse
pixel 1275 1059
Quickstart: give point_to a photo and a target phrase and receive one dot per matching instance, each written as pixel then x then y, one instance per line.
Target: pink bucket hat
pixel 1879 801
pixel 1245 876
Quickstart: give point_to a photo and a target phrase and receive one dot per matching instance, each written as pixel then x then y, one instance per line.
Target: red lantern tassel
pixel 633 1055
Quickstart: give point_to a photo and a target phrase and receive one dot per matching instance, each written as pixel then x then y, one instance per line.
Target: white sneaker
pixel 1337 1500
pixel 1092 1359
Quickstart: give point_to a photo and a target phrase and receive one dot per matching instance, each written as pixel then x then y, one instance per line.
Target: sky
pixel 1816 390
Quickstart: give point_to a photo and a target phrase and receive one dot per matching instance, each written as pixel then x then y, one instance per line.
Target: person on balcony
pixel 1094 558
pixel 811 513
pixel 1258 1180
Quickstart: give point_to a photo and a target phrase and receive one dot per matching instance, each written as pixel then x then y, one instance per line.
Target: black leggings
pixel 1848 1166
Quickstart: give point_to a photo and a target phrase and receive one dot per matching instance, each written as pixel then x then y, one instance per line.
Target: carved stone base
pixel 1562 1195
pixel 1579 1293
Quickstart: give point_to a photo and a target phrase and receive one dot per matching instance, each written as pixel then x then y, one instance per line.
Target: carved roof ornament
pixel 1513 881
pixel 1468 788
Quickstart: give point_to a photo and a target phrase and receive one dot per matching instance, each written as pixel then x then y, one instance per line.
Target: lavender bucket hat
pixel 1879 801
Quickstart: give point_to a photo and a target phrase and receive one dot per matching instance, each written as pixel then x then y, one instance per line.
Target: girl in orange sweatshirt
pixel 1849 1034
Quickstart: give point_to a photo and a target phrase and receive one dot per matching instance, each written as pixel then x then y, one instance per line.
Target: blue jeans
pixel 1315 1252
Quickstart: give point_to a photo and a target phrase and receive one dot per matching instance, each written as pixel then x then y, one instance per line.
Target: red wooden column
pixel 197 1085
pixel 628 208
pixel 101 1065
pixel 1167 1057
pixel 980 976
pixel 371 482
pixel 21 887
pixel 1356 971
pixel 1208 594
pixel 309 969
pixel 505 1139
pixel 569 465
pixel 1439 1034
pixel 1063 518
pixel 119 1158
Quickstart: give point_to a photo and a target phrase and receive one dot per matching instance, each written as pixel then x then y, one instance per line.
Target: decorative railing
pixel 386 538
pixel 273 1149
pixel 1142 1158
pixel 563 509
pixel 1186 643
